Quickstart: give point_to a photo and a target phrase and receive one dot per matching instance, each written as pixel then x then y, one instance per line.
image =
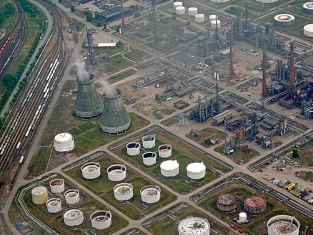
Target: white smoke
pixel 82 74
pixel 109 90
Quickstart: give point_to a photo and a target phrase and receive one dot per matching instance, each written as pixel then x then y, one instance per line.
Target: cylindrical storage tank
pixel 215 23
pixel 165 150
pixel 192 11
pixel 194 226
pixel 73 217
pixel 226 202
pixel 149 158
pixel 255 205
pixel 199 18
pixel 71 196
pixel 91 170
pixel 242 217
pixel 284 20
pixel 63 142
pixel 169 168
pixel 57 185
pixel 116 172
pixel 283 225
pixel 148 141
pixel 54 205
pixel 101 219
pixel 123 191
pixel 213 17
pixel 180 10
pixel 308 30
pixel 39 195
pixel 196 170
pixel 177 4
pixel 133 148
pixel 308 7
pixel 150 194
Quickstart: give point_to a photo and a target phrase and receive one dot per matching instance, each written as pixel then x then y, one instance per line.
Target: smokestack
pixel 231 65
pixel 122 12
pixel 154 21
pixel 114 119
pixel 246 5
pixel 88 104
pixel 291 67
pixel 264 91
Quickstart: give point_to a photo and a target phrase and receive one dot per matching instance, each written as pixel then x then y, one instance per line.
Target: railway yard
pixel 169 115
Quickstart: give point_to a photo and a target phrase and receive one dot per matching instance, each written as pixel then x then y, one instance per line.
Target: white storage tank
pixel 133 148
pixel 148 141
pixel 308 7
pixel 192 11
pixel 149 158
pixel 308 30
pixel 215 23
pixel 57 185
pixel 199 18
pixel 283 225
pixel 73 217
pixel 242 217
pixel 194 226
pixel 169 168
pixel 123 191
pixel 91 170
pixel 39 195
pixel 284 20
pixel 213 17
pixel 101 219
pixel 63 142
pixel 180 10
pixel 177 4
pixel 116 172
pixel 165 150
pixel 196 170
pixel 71 196
pixel 54 205
pixel 150 194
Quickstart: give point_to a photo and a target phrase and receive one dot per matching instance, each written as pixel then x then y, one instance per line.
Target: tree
pixel 295 153
pixel 72 8
pixel 60 1
pixel 8 9
pixel 89 16
pixel 119 44
pixel 1 19
pixel 208 142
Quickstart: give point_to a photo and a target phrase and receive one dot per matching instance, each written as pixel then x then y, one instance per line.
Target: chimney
pixel 264 91
pixel 154 22
pixel 88 104
pixel 114 119
pixel 231 65
pixel 291 68
pixel 122 12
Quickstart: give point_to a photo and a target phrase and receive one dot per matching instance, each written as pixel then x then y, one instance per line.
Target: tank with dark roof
pixel 114 119
pixel 88 103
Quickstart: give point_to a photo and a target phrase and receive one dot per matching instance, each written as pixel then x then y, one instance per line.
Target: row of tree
pixel 7 11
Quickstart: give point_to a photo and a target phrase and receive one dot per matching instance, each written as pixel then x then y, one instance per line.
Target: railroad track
pixel 25 119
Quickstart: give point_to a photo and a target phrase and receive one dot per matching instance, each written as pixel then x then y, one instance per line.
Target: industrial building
pixel 112 14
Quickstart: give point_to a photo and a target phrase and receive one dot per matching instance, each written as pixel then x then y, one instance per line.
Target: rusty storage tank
pixel 255 205
pixel 226 202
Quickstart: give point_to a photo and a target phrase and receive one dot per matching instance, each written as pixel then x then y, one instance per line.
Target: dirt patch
pixel 154 109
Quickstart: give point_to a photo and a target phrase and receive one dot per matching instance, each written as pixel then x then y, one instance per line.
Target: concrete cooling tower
pixel 88 103
pixel 114 119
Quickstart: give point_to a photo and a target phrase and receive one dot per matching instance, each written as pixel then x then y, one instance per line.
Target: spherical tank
pixel 39 195
pixel 242 217
pixel 148 141
pixel 199 18
pixel 215 23
pixel 73 217
pixel 63 142
pixel 180 10
pixel 165 150
pixel 150 194
pixel 169 168
pixel 255 205
pixel 196 170
pixel 149 158
pixel 284 20
pixel 192 11
pixel 177 4
pixel 116 172
pixel 308 7
pixel 57 185
pixel 194 226
pixel 308 30
pixel 71 196
pixel 133 148
pixel 283 225
pixel 54 205
pixel 123 191
pixel 226 202
pixel 91 170
pixel 101 219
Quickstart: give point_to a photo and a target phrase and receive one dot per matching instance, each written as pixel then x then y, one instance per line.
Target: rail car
pixel 18 145
pixel 21 160
pixel 5 45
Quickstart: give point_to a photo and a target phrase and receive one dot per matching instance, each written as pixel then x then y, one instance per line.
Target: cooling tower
pixel 114 119
pixel 88 103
